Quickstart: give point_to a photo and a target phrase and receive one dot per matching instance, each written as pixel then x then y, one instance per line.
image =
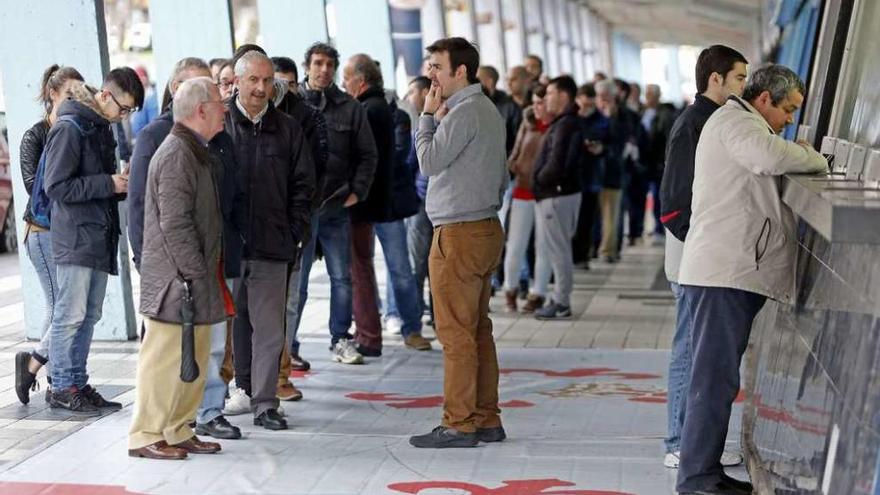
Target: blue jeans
pixel 401 281
pixel 333 229
pixel 679 370
pixel 214 397
pixel 78 308
pixel 39 251
pixel 419 234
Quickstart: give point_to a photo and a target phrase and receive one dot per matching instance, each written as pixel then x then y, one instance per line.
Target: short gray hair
pixel 606 86
pixel 241 66
pixel 364 66
pixel 190 94
pixel 187 64
pixel 779 80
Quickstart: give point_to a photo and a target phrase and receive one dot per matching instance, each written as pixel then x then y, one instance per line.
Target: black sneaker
pixel 554 311
pixel 490 435
pixel 25 381
pixel 74 401
pixel 442 437
pixel 97 400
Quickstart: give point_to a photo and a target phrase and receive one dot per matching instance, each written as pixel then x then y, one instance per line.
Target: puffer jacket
pixel 32 144
pixel 742 235
pixel 352 158
pixel 558 166
pixel 525 151
pixel 85 212
pixel 183 233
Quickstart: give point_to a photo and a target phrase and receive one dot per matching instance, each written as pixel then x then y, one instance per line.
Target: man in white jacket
pixel 739 251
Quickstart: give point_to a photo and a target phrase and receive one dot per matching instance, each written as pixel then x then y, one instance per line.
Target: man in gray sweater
pixel 464 155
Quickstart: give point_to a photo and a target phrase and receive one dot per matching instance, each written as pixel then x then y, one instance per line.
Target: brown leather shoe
pixel 159 450
pixel 196 446
pixel 533 303
pixel 417 342
pixel 288 392
pixel 510 300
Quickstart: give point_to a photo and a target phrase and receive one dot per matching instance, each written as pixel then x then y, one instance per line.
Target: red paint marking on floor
pixel 649 400
pixel 740 397
pixel 300 374
pixel 398 402
pixel 582 373
pixel 20 488
pixel 511 487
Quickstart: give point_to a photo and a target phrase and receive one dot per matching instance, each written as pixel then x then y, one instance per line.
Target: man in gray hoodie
pixel 468 177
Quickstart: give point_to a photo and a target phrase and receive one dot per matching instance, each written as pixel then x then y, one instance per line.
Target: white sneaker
pixel 728 459
pixel 237 403
pixel 345 352
pixel 393 325
pixel 281 410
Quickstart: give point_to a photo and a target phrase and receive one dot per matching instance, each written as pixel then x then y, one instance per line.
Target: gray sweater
pixel 465 159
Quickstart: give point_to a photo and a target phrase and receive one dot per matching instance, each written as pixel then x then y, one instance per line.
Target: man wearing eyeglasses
pixel 85 189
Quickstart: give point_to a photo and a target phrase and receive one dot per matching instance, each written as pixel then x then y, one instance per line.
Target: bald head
pixel 518 79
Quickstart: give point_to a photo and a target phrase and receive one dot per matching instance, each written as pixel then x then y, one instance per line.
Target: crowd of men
pixel 249 169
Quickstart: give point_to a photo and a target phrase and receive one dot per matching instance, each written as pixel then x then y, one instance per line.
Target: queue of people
pixel 249 173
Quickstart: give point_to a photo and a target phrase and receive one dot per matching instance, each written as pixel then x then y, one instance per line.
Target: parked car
pixel 8 236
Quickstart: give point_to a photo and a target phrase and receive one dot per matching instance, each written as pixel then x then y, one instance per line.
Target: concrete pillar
pixel 195 28
pixel 513 27
pixel 462 21
pixel 490 36
pixel 433 16
pixel 288 28
pixel 35 35
pixel 552 66
pixel 536 42
pixel 364 26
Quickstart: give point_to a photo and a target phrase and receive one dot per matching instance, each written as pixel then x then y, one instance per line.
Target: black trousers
pixel 722 322
pixel 582 241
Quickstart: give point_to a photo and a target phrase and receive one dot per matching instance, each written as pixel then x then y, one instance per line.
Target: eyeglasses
pixel 123 109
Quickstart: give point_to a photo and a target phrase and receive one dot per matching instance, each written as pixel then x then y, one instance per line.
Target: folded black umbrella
pixel 189 369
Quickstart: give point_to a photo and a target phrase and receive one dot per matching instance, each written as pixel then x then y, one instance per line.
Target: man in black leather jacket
pixel 277 176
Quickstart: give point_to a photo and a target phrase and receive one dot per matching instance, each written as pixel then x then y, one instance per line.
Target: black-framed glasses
pixel 123 109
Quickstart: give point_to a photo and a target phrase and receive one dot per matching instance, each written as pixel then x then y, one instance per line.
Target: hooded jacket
pixel 85 213
pixel 558 166
pixel 742 235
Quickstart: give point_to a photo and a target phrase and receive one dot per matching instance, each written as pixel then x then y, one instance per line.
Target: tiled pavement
pixel 584 409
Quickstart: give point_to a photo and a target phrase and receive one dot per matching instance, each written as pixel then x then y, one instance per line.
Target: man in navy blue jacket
pixel 82 183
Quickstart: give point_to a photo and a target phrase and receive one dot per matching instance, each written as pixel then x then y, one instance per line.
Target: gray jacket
pixel 742 236
pixel 183 233
pixel 465 157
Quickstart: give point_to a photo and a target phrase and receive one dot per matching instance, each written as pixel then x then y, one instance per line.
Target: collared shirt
pixel 255 119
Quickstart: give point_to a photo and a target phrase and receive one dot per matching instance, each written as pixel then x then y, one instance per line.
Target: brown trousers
pixel 609 204
pixel 462 260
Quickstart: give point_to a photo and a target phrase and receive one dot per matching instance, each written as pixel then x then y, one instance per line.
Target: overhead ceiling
pixel 684 22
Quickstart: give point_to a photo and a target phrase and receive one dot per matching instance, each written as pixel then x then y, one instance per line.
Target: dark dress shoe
pixel 442 437
pixel 297 363
pixel 745 486
pixel 196 446
pixel 723 487
pixel 369 351
pixel 489 435
pixel 219 427
pixel 271 420
pixel 159 450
